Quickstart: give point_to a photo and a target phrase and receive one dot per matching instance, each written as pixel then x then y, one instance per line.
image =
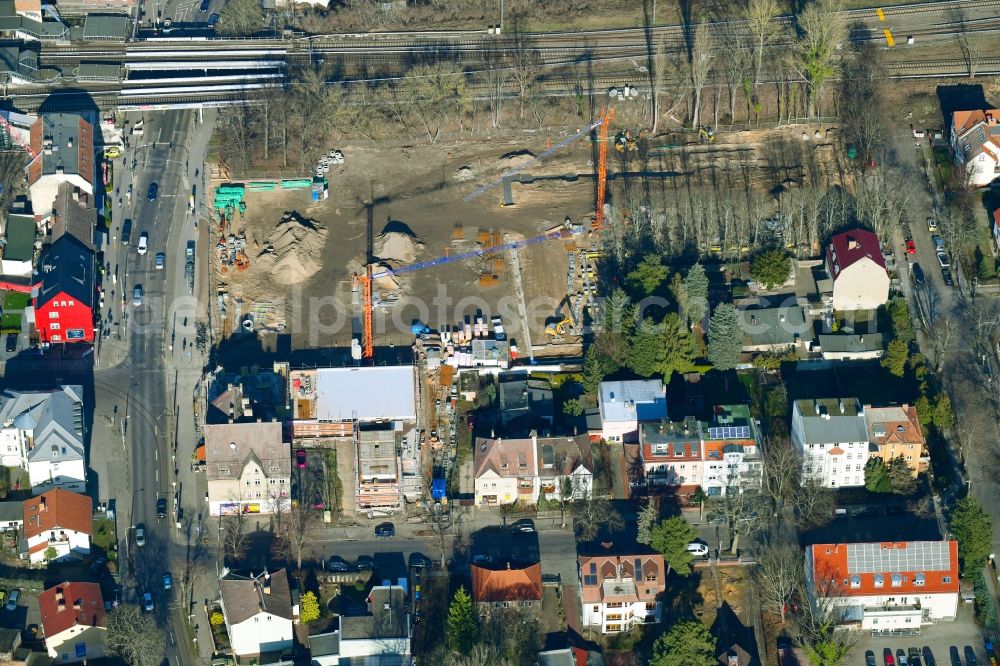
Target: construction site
pixel 439 237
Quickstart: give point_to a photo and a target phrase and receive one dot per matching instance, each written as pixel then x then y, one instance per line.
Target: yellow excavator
pixel 558 329
pixel 706 134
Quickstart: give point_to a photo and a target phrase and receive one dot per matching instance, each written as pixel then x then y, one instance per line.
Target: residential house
pixel 10 640
pixel 64 297
pixel 620 585
pixel 736 655
pixel 59 520
pixel 671 454
pixel 894 432
pixel 731 450
pixel 382 636
pixel 377 462
pixel 510 586
pixel 248 467
pixel 975 144
pixel 324 649
pixel 72 617
pixel 775 329
pixel 564 463
pixel 73 214
pixel 64 145
pixel 525 404
pixel 506 471
pixel 258 611
pixel 570 656
pixel 11 516
pixel 850 347
pixel 19 245
pixel 831 438
pixel 884 587
pixel 256 393
pixel 42 433
pixel 626 404
pixel 855 263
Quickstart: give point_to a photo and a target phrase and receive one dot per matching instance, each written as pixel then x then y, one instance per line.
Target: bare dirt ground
pixel 303 254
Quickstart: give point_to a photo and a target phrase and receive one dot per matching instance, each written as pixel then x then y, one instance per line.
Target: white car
pixel 143 242
pixel 697 548
pixel 942 258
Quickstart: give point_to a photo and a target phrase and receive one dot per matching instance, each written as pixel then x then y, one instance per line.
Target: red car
pixel 911 248
pixel 300 458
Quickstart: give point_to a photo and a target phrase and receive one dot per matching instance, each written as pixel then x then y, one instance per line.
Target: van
pixel 189 250
pixel 126 232
pixel 15 596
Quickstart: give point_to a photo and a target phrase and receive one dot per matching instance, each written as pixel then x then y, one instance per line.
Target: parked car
pixel 901 658
pixel 140 535
pixel 161 260
pixel 525 525
pixel 931 225
pixel 498 328
pixel 212 20
pixel 137 295
pixel 168 581
pixel 338 564
pixel 300 459
pixel 918 273
pixel 15 596
pixel 154 189
pixel 11 342
pixel 98 563
pixel 3 596
pixel 970 656
pixel 161 507
pixel 946 276
pixel 365 563
pixel 911 247
pixel 143 243
pixel 697 548
pixel 126 231
pixel 318 504
pixel 938 243
pixel 189 250
pixel 482 559
pixel 870 658
pixel 385 530
pixel 112 153
pixel 888 658
pixel 929 656
pixel 204 6
pixel 147 601
pixel 956 660
pixel 420 561
pixel 942 258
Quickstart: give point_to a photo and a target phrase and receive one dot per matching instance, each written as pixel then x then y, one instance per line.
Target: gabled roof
pixel 633 400
pixel 506 457
pixel 244 597
pixel 888 568
pixel 963 121
pixel 58 509
pixel 783 325
pixel 897 424
pixel 20 235
pixel 67 605
pixel 841 343
pixel 852 246
pixel 230 446
pixel 387 617
pixel 508 584
pixel 54 418
pixel 571 452
pixel 66 267
pixel 614 575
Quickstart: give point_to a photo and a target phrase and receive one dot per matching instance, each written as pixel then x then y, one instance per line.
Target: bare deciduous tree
pixel 777 574
pixel 813 503
pixel 761 18
pixel 233 535
pixel 816 55
pixel 240 17
pixel 524 59
pixel 700 66
pixel 781 469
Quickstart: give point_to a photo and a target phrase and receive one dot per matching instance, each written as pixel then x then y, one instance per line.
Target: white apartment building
pixel 831 437
pixel 619 587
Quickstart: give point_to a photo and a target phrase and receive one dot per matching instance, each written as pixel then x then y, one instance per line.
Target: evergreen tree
pixel 646 353
pixel 896 356
pixel 771 269
pixel 671 538
pixel 462 629
pixel 696 288
pixel 645 522
pixel 725 337
pixel 687 643
pixel 973 530
pixel 678 347
pixel 596 366
pixel 648 275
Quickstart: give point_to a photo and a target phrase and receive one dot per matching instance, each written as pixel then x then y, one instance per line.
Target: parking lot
pixel 939 638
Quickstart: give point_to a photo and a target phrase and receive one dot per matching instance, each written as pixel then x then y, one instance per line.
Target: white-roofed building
pixel 336 395
pixel 626 404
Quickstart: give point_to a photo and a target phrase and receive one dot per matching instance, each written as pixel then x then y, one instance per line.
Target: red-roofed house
pixel 855 263
pixel 72 616
pixel 507 587
pixel 975 142
pixel 61 520
pixel 506 471
pixel 671 454
pixel 619 589
pixel 885 586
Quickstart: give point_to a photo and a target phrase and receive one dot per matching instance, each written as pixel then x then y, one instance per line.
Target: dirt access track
pixel 300 271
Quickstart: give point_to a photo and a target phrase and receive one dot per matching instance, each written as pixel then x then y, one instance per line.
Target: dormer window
pixel 897 580
pixel 919 579
pixel 855 581
pixel 879 580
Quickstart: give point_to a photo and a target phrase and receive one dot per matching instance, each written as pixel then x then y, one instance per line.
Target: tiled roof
pixel 229 446
pixel 58 509
pixel 852 246
pixel 491 585
pixel 245 597
pixel 570 451
pixel 894 425
pixel 69 604
pixel 888 568
pixel 620 569
pixel 506 457
pixel 66 267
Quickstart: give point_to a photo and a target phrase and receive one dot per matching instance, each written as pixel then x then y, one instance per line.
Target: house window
pixel 897 580
pixel 946 579
pixel 919 579
pixel 53 314
pixel 54 326
pixel 879 580
pixel 650 605
pixel 855 581
pixel 223 470
pixel 614 616
pixel 614 627
pixel 597 609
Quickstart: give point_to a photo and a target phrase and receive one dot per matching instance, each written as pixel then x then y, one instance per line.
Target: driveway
pixel 938 638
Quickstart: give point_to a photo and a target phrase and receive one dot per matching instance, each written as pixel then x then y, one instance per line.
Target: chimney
pixel 733 660
pixel 852 244
pixel 266 587
pixel 841 406
pixel 59 594
pixel 508 565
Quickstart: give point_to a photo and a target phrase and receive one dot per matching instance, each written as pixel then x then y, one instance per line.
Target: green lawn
pixel 10 322
pixel 15 300
pixel 104 534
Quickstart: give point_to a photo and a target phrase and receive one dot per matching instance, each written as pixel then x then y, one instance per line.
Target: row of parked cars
pixel 920 657
pixel 338 564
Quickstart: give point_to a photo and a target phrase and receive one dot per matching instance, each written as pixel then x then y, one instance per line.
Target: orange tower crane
pixel 602 167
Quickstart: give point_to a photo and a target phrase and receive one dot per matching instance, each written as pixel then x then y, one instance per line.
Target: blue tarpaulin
pixel 438 487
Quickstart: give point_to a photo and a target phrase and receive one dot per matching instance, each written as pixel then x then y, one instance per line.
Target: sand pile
pixel 293 249
pixel 464 174
pixel 397 244
pixel 516 159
